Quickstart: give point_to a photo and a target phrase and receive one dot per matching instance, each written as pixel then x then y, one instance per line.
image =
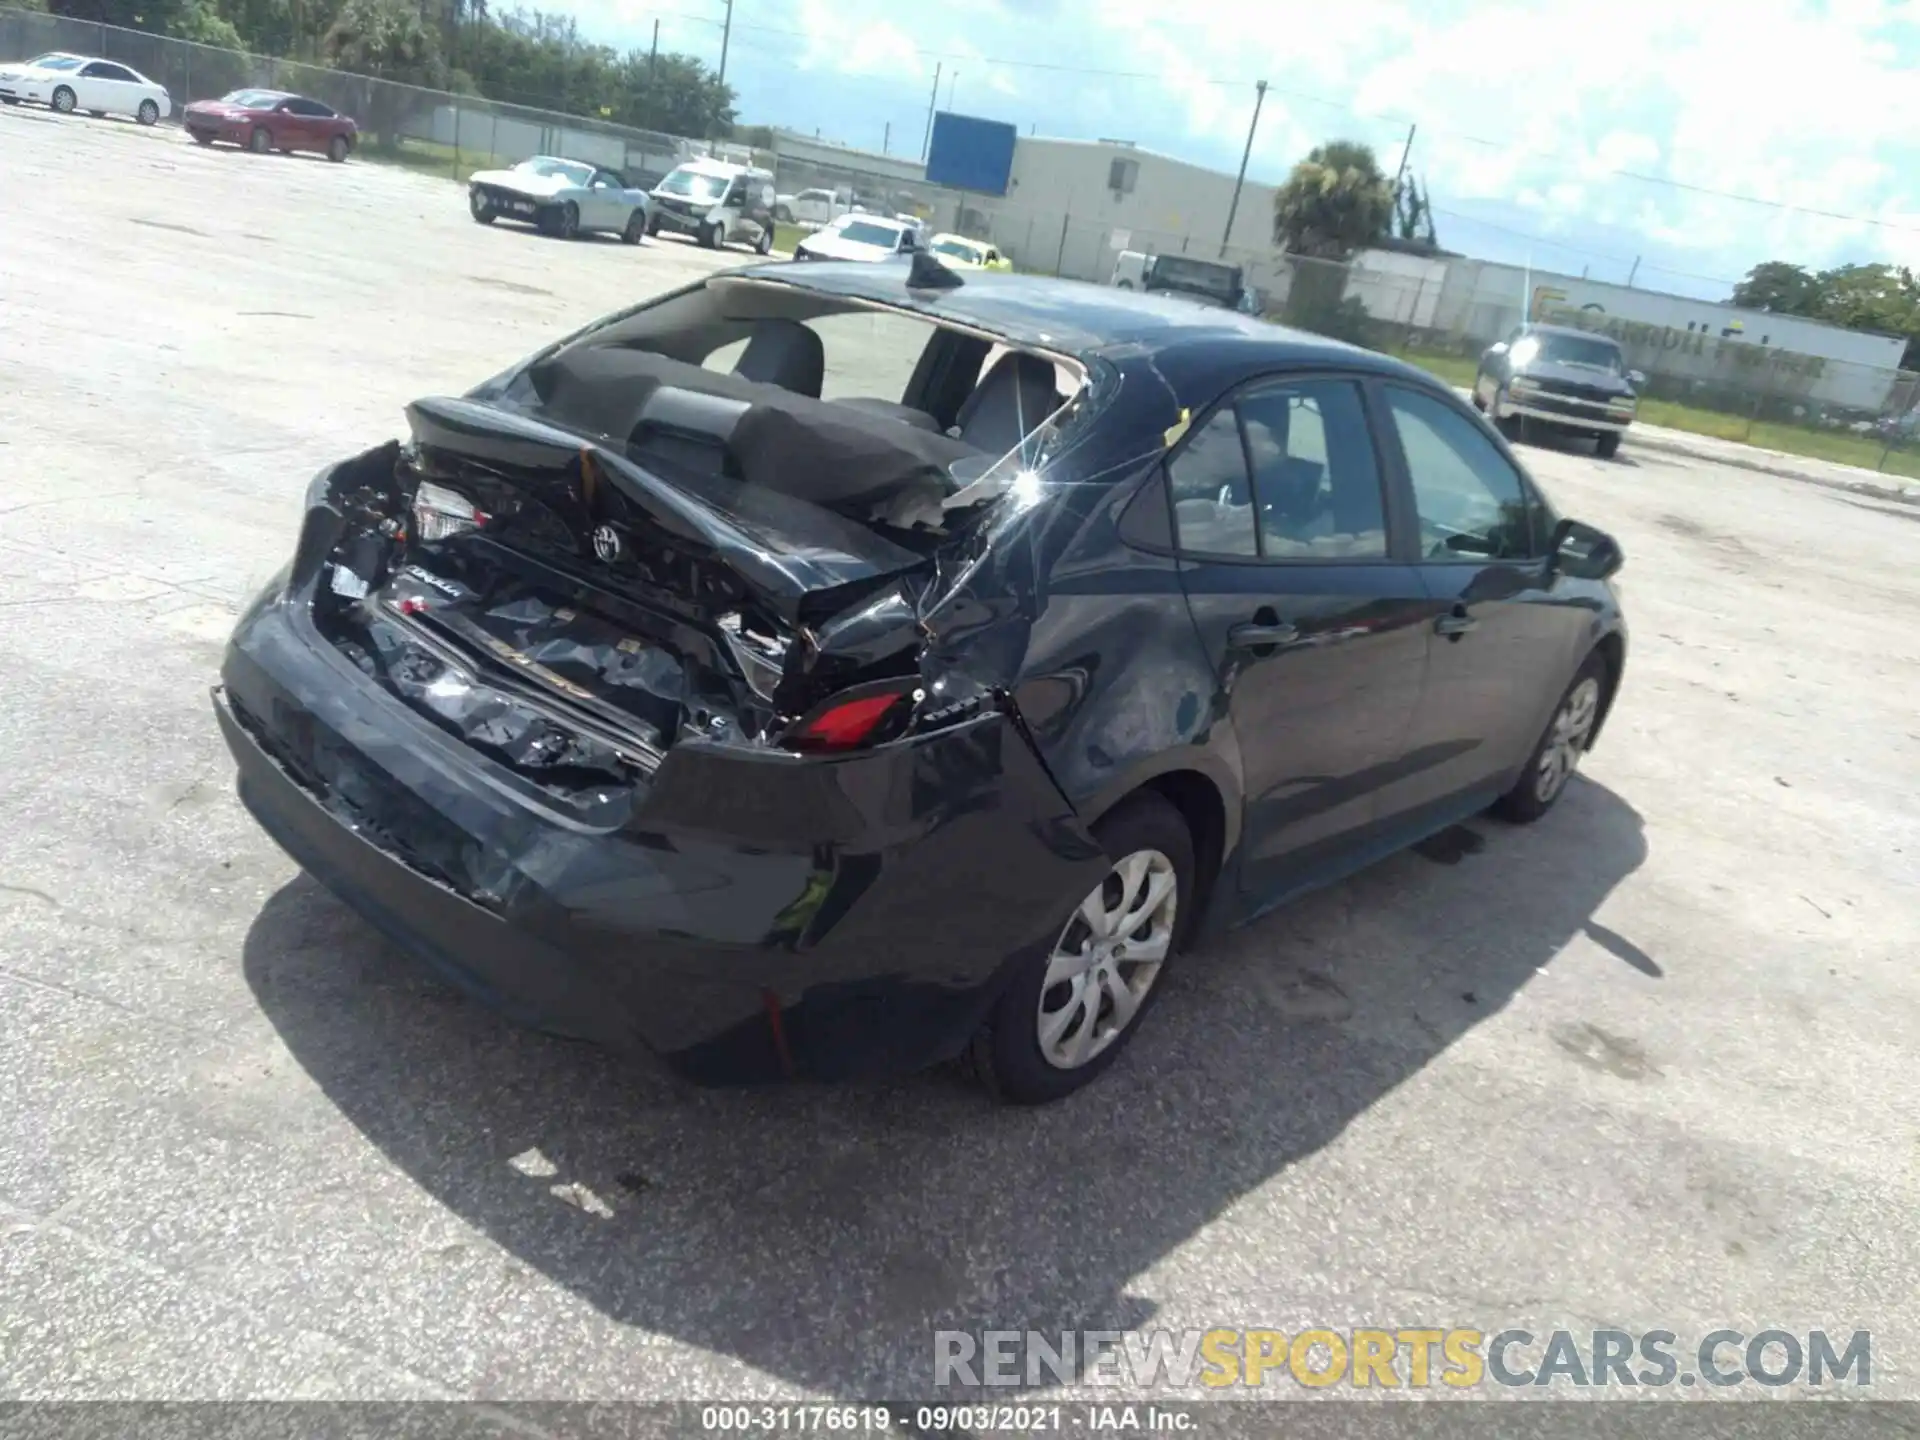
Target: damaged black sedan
pixel 827 670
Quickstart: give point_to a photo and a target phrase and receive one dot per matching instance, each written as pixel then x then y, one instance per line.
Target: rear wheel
pixel 64 100
pixel 1607 445
pixel 260 141
pixel 764 246
pixel 1558 754
pixel 1068 1015
pixel 481 207
pixel 148 113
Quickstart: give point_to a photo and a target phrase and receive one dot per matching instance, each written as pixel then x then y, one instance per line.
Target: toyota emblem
pixel 606 543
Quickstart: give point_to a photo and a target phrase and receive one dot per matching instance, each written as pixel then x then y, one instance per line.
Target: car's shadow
pixel 823 1234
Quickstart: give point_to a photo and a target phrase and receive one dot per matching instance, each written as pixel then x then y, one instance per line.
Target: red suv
pixel 264 120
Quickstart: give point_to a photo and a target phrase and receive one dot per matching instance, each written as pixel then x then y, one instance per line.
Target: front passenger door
pixel 1314 629
pixel 97 87
pixel 1504 641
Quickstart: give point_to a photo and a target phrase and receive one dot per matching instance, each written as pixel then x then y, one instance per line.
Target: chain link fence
pixel 432 130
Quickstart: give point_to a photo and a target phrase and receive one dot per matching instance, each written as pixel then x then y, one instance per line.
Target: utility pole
pixel 1406 153
pixel 1259 99
pixel 886 140
pixel 726 34
pixel 1633 272
pixel 932 105
pixel 950 87
pixel 653 55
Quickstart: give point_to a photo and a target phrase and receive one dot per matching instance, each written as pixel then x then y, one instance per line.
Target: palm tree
pixel 1335 202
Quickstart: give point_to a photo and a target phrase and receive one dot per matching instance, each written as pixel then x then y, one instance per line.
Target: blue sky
pixel 1534 119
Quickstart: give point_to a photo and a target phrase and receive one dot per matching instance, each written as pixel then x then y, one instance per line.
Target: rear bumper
pixel 747 917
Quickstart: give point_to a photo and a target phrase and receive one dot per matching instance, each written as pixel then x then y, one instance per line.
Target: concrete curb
pixel 1774 462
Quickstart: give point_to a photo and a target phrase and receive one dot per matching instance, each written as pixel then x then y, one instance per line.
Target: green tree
pixel 1779 287
pixel 386 40
pixel 1335 201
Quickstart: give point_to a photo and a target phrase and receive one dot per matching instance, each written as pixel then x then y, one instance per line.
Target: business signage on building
pixel 1644 340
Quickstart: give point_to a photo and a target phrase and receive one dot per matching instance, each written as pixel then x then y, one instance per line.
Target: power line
pixel 1344 107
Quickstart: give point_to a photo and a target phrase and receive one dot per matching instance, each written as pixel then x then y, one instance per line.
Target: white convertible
pixel 68 83
pixel 860 237
pixel 563 197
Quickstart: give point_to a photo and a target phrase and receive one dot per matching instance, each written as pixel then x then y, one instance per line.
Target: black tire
pixel 764 246
pixel 1607 445
pixel 1531 796
pixel 709 237
pixel 653 224
pixel 337 149
pixel 64 100
pixel 9 100
pixel 481 208
pixel 1007 1052
pixel 566 221
pixel 637 228
pixel 1508 425
pixel 148 113
pixel 98 114
pixel 201 137
pixel 260 140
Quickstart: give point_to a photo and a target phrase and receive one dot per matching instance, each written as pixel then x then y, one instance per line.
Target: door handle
pixel 1455 623
pixel 1252 635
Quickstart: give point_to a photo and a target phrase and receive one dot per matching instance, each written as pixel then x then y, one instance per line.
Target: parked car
pixel 263 120
pixel 859 237
pixel 67 83
pixel 1560 378
pixel 790 731
pixel 964 254
pixel 1208 282
pixel 717 203
pixel 813 207
pixel 564 198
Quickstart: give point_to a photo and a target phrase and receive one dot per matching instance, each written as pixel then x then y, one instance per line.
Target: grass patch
pixel 1839 446
pixel 429 157
pixel 786 235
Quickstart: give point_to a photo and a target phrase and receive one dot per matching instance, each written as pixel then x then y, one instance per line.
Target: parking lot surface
pixel 1648 1065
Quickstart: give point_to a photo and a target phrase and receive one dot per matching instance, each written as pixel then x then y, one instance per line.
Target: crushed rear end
pixel 640 750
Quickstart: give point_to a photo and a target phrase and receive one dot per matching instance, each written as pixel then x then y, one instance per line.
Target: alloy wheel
pixel 63 100
pixel 1107 959
pixel 1567 739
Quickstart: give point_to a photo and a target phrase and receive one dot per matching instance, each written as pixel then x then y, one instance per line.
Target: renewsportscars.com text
pixel 1414 1358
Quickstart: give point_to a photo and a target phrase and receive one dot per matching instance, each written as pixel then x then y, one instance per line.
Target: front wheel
pixel 636 227
pixel 1607 445
pixel 764 245
pixel 710 237
pixel 480 207
pixel 653 225
pixel 201 137
pixel 260 141
pixel 1068 1015
pixel 64 100
pixel 566 222
pixel 337 149
pixel 1558 753
pixel 148 113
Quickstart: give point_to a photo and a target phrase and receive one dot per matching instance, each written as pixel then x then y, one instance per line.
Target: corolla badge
pixel 606 543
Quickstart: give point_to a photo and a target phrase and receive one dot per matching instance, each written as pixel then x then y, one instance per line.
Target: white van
pixel 717 203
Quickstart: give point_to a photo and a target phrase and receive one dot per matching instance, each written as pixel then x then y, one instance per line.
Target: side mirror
pixel 1499 347
pixel 1636 378
pixel 1584 552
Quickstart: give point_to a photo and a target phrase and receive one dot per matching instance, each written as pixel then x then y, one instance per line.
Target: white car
pixel 563 197
pixel 859 237
pixel 80 82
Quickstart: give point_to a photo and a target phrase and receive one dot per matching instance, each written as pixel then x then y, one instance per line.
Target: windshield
pixel 568 170
pixel 252 99
pixel 1591 351
pixel 960 250
pixel 865 232
pixel 1175 270
pixel 695 184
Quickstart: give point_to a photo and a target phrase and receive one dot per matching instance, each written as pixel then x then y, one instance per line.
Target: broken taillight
pixel 439 512
pixel 848 721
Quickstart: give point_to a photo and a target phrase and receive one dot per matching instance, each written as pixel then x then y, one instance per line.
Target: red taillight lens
pixel 845 724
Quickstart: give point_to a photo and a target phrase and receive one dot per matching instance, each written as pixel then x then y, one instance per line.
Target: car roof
pixel 1536 329
pixel 1196 349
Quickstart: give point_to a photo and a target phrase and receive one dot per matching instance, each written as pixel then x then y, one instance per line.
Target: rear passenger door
pixel 1283 521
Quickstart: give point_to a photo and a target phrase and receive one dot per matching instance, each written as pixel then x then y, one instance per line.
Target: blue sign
pixel 968 153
